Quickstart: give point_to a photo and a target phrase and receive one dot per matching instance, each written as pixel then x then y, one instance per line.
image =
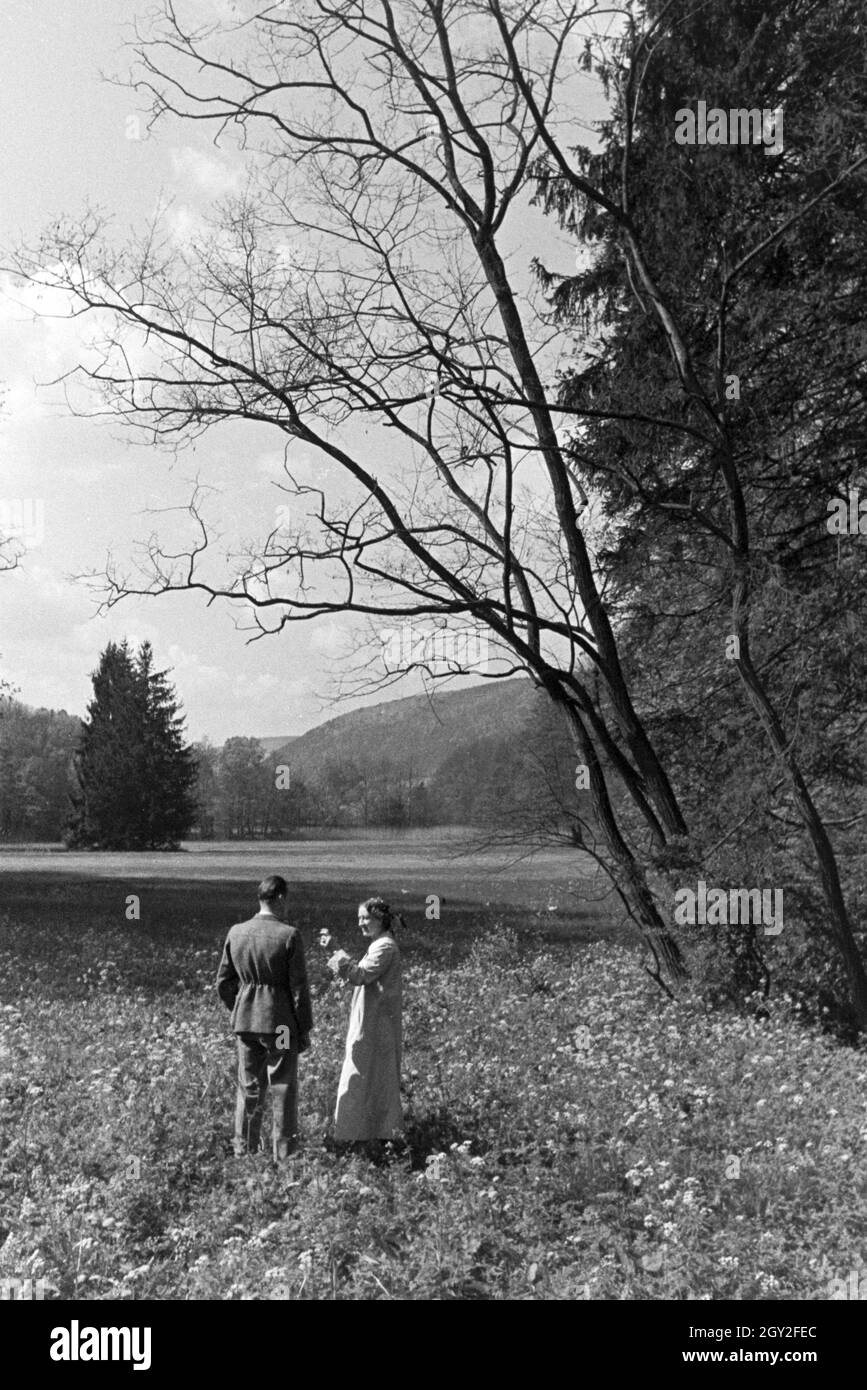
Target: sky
pixel 71 138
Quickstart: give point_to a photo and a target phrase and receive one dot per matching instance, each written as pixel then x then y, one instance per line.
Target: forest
pixel 240 792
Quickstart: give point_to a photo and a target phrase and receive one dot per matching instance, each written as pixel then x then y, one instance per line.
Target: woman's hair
pixel 379 908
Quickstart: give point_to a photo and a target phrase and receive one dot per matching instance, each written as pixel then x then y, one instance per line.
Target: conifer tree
pixel 168 770
pixel 134 771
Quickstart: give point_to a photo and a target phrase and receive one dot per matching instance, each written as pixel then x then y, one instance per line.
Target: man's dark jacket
pixel 263 978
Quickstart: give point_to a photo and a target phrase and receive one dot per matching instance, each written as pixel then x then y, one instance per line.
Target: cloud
pixel 47 647
pixel 213 176
pixel 258 687
pixel 40 341
pixel 187 666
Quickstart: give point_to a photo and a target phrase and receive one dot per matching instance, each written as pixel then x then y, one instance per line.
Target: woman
pixel 368 1097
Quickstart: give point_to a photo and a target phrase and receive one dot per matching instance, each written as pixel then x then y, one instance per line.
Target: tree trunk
pixel 841 927
pixel 633 881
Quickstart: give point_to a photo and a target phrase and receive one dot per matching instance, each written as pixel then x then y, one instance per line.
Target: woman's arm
pixel 375 963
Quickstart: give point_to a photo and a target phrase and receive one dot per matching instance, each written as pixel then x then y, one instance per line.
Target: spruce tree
pixel 104 809
pixel 168 768
pixel 135 773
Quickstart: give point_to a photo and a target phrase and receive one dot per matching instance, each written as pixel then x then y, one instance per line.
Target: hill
pixel 486 755
pixel 273 745
pixel 415 735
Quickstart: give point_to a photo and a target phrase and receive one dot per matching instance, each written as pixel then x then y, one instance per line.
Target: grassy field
pixel 570 1133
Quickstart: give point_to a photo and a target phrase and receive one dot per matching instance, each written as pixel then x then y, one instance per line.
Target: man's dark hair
pixel 272 887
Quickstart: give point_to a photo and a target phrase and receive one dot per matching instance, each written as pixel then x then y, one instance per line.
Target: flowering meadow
pixel 571 1133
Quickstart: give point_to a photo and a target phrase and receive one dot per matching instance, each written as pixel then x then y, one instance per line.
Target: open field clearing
pixel 570 1133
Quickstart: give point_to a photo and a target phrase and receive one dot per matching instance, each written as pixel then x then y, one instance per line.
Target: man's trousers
pixel 262 1066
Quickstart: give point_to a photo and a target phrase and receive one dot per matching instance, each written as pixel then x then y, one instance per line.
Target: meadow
pixel 571 1133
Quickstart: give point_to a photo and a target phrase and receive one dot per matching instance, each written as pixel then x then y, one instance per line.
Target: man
pixel 263 979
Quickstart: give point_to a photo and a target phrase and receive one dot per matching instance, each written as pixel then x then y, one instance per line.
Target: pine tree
pixel 714 514
pixel 135 772
pixel 168 763
pixel 104 808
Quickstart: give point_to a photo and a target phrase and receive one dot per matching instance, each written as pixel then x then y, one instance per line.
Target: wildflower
pixel 269 1230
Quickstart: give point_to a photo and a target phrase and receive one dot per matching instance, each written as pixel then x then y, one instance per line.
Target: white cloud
pixel 213 176
pixel 41 619
pixel 187 666
pixel 258 687
pixel 40 341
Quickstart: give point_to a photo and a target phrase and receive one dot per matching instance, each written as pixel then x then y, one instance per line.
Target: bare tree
pixel 364 282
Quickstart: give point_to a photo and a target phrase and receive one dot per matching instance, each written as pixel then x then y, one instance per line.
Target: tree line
pixel 37 748
pixel 125 778
pixel 245 793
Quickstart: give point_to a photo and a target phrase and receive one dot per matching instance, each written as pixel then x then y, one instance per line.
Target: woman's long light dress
pixel 368 1097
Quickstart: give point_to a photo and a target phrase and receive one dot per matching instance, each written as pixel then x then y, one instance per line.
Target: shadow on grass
pixel 48 917
pixel 424 1136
